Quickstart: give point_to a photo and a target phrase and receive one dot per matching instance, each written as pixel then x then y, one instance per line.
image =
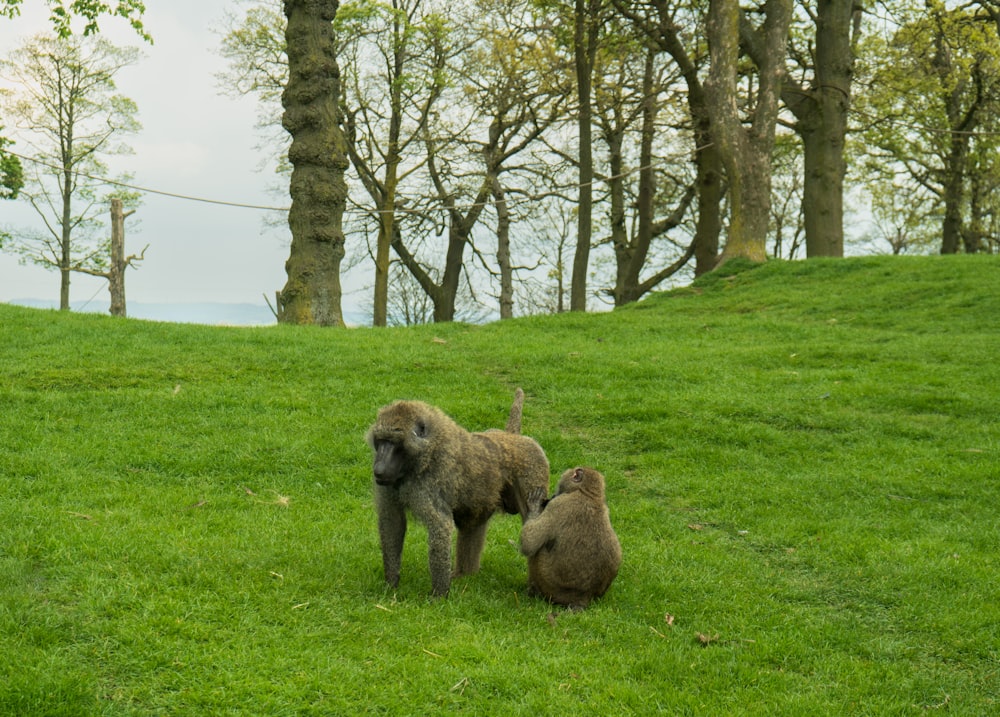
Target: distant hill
pixel 194 313
pixel 212 314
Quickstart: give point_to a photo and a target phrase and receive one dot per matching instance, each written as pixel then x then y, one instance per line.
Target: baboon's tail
pixel 514 421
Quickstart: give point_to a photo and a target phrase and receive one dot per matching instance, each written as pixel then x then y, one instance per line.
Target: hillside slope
pixel 802 465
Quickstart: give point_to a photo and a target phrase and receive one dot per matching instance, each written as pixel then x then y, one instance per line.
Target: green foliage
pixel 928 107
pixel 801 462
pixel 11 172
pixel 255 47
pixel 90 11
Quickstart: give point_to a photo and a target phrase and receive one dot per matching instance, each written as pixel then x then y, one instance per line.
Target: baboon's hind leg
pixel 469 549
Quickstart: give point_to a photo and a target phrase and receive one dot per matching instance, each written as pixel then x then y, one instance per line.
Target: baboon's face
pixel 390 461
pixel 390 438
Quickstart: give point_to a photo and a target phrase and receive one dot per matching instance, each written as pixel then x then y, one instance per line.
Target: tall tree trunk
pixel 620 240
pixel 664 30
pixel 647 186
pixel 708 168
pixel 723 37
pixel 66 230
pixel 708 161
pixel 824 139
pixel 823 187
pixel 116 272
pixel 585 49
pixel 821 122
pixel 961 121
pixel 312 294
pixel 954 191
pixel 631 252
pixel 746 152
pixel 503 251
pixel 386 231
pixel 444 303
pixel 387 201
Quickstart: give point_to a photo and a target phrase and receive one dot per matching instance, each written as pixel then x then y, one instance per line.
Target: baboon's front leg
pixel 439 554
pixel 391 532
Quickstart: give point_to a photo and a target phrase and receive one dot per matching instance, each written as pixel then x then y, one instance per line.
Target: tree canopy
pixel 62 14
pixel 72 117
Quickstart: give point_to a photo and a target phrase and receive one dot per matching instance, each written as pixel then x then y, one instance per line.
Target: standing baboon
pixel 446 477
pixel 572 550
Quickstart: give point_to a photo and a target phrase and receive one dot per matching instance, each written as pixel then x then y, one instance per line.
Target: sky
pixel 194 142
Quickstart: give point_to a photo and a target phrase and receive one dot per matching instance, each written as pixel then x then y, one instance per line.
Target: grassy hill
pixel 802 464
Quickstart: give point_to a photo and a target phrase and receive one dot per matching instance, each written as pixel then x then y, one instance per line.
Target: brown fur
pixel 447 477
pixel 572 550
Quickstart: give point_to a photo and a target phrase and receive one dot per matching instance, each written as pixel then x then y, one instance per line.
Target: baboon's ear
pixel 420 429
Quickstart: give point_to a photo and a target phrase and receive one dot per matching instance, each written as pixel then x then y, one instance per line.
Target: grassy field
pixel 803 465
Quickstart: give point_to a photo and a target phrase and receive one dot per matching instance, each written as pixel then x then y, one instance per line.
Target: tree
pixel 312 294
pixel 676 30
pixel 90 11
pixel 932 91
pixel 397 64
pixel 518 83
pixel 818 94
pixel 904 219
pixel 629 83
pixel 72 117
pixel 506 93
pixel 115 271
pixel 586 29
pixel 585 19
pixel 746 148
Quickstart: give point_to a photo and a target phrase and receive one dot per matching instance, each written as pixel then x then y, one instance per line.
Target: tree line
pixel 515 156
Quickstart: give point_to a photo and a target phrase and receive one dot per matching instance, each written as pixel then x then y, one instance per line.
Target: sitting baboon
pixel 572 550
pixel 447 477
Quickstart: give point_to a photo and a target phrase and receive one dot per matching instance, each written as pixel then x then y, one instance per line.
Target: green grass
pixel 803 464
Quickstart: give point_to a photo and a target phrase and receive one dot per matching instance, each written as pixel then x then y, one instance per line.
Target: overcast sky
pixel 194 142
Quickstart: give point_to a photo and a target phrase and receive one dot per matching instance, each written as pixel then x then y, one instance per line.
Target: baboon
pixel 572 550
pixel 448 478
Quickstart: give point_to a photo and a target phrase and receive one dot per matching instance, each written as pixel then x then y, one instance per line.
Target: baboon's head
pixel 397 438
pixel 583 480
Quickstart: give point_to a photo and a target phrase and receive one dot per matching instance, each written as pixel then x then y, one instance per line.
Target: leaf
pixel 706 640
